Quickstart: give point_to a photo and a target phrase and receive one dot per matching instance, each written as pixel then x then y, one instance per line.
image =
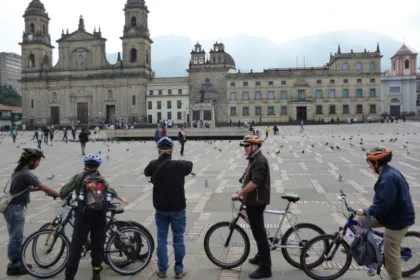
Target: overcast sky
pixel 277 20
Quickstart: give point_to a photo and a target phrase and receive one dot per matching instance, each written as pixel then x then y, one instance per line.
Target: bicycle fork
pixel 231 227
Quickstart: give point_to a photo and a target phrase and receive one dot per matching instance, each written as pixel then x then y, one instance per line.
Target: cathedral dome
pixel 229 60
pixel 35 8
pixel 135 4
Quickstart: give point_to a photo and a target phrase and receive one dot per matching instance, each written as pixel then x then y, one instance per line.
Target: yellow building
pixel 347 86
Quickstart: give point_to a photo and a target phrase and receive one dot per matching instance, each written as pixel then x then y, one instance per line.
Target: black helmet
pixel 32 153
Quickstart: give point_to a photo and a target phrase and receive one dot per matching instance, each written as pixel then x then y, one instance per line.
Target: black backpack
pixel 93 187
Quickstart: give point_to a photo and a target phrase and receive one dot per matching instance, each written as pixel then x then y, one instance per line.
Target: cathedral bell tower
pixel 36 41
pixel 136 37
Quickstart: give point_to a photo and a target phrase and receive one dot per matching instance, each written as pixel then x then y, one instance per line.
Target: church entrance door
pixel 82 113
pixel 55 115
pixel 110 113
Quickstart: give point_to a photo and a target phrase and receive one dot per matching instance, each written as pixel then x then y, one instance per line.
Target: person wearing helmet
pixel 256 196
pixel 168 178
pixel 22 182
pixel 392 207
pixel 87 219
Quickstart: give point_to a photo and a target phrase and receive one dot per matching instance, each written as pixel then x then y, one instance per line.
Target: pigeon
pixel 326 144
pixel 382 140
pixel 220 150
pixel 206 184
pixel 313 145
pixel 363 149
pixel 278 152
pixel 107 157
pixel 340 178
pixel 100 152
pixel 50 178
pixel 109 150
pixel 351 145
pixel 303 151
pixel 338 148
pixel 332 147
pixel 127 150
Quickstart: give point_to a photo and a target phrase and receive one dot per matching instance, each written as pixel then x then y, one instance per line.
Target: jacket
pixel 258 171
pixel 83 137
pixel 168 186
pixel 392 205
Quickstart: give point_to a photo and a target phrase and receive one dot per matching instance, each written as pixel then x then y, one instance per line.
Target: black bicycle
pixel 134 245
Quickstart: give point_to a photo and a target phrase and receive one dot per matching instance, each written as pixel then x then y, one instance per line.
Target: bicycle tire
pixel 48 227
pixel 417 268
pixel 111 241
pixel 326 237
pixel 35 236
pixel 289 232
pixel 143 228
pixel 213 259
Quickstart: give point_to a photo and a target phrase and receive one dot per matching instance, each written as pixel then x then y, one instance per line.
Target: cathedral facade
pixel 83 87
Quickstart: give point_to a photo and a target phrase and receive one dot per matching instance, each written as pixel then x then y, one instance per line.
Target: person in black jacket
pixel 168 178
pixel 182 138
pixel 392 208
pixel 83 138
pixel 256 196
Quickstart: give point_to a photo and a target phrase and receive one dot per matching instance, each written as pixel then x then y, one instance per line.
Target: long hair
pixel 23 161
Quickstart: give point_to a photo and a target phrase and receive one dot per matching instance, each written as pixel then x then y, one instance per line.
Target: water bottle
pixel 108 197
pixel 81 196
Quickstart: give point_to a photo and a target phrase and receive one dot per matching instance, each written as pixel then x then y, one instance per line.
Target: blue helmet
pixel 165 142
pixel 92 159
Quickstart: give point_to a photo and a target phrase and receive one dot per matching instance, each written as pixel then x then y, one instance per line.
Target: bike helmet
pixel 251 140
pixel 165 142
pixel 32 153
pixel 92 159
pixel 381 155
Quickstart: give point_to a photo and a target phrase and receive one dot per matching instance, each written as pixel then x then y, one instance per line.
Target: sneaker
pixel 255 260
pixel 16 271
pixel 161 274
pixel 260 273
pixel 96 274
pixel 179 275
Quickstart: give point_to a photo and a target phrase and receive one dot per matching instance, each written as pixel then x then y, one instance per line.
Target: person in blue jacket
pixel 392 208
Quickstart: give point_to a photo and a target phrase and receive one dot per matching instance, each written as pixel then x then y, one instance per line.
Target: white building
pixel 168 99
pixel 399 86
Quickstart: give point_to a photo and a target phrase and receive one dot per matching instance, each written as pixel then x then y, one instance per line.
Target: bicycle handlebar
pixel 343 198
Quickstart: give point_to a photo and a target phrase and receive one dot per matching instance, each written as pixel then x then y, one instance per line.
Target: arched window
pixel 32 28
pixel 359 66
pixel 44 30
pixel 195 60
pixel 372 65
pixel 133 55
pixel 200 60
pixel 147 57
pixel 133 21
pixel 46 61
pixel 407 64
pixel 31 60
pixel 395 100
pixel 345 66
pixel 54 97
pixel 110 95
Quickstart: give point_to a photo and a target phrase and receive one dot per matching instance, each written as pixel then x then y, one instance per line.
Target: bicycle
pixel 337 239
pixel 278 241
pixel 127 247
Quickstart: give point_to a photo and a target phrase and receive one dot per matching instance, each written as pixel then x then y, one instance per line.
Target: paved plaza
pixel 305 166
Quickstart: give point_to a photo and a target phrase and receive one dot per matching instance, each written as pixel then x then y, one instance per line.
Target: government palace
pixel 84 88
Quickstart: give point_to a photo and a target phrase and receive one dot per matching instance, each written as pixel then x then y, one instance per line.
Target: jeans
pixel 39 144
pixel 178 221
pixel 182 148
pixel 15 218
pixel 83 145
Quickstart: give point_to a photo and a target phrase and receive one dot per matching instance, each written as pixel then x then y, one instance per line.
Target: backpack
pixel 93 187
pixel 364 248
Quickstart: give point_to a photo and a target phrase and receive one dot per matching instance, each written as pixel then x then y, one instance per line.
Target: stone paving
pixel 305 165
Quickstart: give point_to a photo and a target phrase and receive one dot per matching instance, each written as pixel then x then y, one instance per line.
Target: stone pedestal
pixel 204 112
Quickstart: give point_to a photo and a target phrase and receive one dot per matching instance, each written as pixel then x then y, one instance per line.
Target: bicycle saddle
pixel 116 209
pixel 291 197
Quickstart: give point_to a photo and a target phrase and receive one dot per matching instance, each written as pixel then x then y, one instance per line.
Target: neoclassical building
pixel 83 87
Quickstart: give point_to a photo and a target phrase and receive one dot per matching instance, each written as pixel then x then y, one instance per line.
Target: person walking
pixel 158 133
pixel 83 138
pixel 182 137
pixel 14 134
pixel 168 178
pixel 65 138
pixel 255 193
pixel 52 131
pixel 39 135
pixel 46 132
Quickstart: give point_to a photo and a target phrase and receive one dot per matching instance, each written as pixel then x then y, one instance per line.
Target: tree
pixel 10 97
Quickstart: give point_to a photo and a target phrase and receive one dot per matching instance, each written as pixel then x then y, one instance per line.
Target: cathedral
pixel 83 87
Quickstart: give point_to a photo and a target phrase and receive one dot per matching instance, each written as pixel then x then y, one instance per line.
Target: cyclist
pixel 392 208
pixel 256 196
pixel 22 182
pixel 92 190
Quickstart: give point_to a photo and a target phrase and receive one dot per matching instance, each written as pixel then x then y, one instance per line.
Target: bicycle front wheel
pixel 409 253
pixel 38 251
pixel 231 245
pixel 319 263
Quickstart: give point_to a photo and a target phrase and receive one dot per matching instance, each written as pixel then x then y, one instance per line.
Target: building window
pixel 331 93
pixel 345 81
pixel 332 81
pixel 372 81
pixel 359 92
pixel 257 83
pixel 394 89
pixel 359 109
pixel 359 66
pixel 301 94
pixel 245 84
pixel 169 115
pixel 258 95
pixel 149 105
pixel 133 101
pixel 258 111
pixel 270 111
pixel 372 65
pixel 44 30
pixel 270 83
pixel 110 95
pixel 407 64
pixel 159 105
pixel 233 111
pixel 283 110
pixel 318 82
pixel 318 94
pixel 180 91
pixel 319 109
pixel 270 95
pixel 151 92
pixel 31 62
pixel 168 104
pixel 372 92
pixel 179 104
pixel 169 91
pixel 159 116
pixel 32 28
pixel 233 96
pixel 283 83
pixel 283 95
pixel 245 95
pixel 345 66
pixel 147 57
pixel 200 60
pixel 332 109
pixel 54 97
pixel 179 115
pixel 345 93
pixel 133 55
pixel 232 84
pixel 133 21
pixel 32 103
pixel 245 111
pixel 372 108
pixel 160 92
pixel 345 109
pixel 359 81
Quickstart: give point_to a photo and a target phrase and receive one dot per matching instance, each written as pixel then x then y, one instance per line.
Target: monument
pixel 204 109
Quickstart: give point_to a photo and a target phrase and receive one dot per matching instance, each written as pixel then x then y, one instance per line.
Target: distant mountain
pixel 171 54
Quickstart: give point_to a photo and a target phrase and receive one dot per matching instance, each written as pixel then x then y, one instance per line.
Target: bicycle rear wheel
pixel 123 224
pixel 233 249
pixel 409 251
pixel 317 264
